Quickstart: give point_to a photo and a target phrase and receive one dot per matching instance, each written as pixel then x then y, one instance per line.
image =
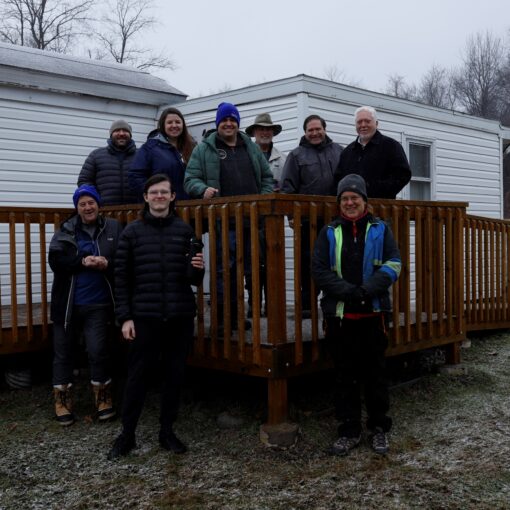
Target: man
pixel 309 170
pixel 228 163
pixel 107 168
pixel 379 159
pixel 355 262
pixel 81 257
pixel 263 130
pixel 156 264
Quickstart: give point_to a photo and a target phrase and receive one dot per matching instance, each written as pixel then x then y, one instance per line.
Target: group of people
pixel 142 275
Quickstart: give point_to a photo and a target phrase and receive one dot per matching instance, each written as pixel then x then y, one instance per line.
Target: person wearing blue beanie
pixel 227 110
pixel 88 190
pixel 81 257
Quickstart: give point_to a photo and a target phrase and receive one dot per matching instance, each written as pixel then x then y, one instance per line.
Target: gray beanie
pixel 354 183
pixel 120 124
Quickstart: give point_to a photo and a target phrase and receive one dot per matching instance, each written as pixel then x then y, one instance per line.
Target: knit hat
pixel 120 124
pixel 86 190
pixel 227 110
pixel 263 120
pixel 354 183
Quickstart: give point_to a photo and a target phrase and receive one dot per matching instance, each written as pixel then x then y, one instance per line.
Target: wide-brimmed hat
pixel 264 120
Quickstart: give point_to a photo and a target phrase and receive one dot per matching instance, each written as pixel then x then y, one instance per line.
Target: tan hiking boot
pixel 63 404
pixel 103 399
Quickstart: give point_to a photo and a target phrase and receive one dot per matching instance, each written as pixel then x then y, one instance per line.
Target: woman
pixel 166 151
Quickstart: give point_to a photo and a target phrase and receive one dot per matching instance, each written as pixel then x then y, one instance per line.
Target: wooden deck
pixel 455 279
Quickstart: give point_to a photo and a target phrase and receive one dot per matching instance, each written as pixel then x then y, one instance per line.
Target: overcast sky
pixel 222 43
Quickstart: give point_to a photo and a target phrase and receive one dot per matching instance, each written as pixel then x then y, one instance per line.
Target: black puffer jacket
pixel 152 270
pixel 66 261
pixel 107 169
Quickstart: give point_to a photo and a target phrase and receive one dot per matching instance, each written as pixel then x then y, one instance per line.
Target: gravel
pixel 450 448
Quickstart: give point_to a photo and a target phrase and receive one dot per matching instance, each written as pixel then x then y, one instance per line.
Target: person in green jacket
pixel 227 163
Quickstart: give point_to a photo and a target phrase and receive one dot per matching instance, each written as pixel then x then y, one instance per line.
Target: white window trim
pixel 428 142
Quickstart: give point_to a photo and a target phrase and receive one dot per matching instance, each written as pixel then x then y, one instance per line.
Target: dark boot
pixel 122 446
pixel 169 441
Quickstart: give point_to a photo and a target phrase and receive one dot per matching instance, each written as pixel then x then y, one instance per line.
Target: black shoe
pixel 343 445
pixel 306 314
pixel 169 441
pixel 121 446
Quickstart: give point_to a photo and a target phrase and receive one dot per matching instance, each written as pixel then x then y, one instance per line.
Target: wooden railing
pixel 455 278
pixel 487 282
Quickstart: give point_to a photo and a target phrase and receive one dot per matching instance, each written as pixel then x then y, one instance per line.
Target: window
pixel 420 160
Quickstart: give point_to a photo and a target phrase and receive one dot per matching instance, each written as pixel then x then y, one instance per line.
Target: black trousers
pixel 170 340
pixel 358 347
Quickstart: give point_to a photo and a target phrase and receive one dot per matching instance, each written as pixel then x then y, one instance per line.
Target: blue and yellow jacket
pixel 380 267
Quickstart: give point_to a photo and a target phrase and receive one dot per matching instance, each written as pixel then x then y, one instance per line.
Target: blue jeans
pixel 94 321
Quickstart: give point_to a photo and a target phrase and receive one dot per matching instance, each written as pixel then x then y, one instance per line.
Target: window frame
pixel 431 144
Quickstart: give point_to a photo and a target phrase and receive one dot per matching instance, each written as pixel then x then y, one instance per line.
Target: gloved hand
pixel 359 296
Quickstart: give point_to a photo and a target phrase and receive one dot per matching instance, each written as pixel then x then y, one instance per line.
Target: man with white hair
pixel 379 159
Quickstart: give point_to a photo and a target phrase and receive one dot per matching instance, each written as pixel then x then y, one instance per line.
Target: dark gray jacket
pixel 309 169
pixel 107 169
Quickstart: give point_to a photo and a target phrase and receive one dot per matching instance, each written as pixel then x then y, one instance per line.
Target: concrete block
pixel 283 435
pixel 454 370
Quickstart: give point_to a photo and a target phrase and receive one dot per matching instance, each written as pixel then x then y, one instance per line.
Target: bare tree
pixel 120 32
pixel 43 24
pixel 333 73
pixel 436 88
pixel 398 87
pixel 479 81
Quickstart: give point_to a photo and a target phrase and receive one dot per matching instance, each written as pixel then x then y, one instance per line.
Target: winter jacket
pixel 379 266
pixel 153 273
pixel 381 162
pixel 203 170
pixel 276 163
pixel 157 156
pixel 107 169
pixel 65 260
pixel 309 169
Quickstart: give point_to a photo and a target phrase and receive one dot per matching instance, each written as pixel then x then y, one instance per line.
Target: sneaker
pixel 379 441
pixel 169 441
pixel 121 446
pixel 343 445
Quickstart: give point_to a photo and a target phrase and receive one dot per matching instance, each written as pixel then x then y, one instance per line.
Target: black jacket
pixel 363 286
pixel 309 169
pixel 66 261
pixel 153 273
pixel 382 163
pixel 107 169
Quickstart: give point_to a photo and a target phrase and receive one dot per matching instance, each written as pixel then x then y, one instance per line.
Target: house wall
pixel 466 151
pixel 44 140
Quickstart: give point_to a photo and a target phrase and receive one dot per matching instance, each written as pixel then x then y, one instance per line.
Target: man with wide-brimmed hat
pixel 263 130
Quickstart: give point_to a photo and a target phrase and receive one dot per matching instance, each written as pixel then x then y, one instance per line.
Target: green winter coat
pixel 203 169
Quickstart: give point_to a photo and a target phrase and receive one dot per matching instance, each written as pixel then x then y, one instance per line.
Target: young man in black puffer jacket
pixel 156 263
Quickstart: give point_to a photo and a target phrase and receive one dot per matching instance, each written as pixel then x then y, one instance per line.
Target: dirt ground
pixel 450 448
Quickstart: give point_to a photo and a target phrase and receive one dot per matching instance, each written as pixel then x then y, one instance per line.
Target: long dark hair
pixel 185 142
pixel 156 179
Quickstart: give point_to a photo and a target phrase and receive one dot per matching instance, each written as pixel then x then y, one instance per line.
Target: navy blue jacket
pixel 157 156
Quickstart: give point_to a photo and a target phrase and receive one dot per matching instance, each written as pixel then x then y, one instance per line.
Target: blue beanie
pixel 227 110
pixel 86 190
